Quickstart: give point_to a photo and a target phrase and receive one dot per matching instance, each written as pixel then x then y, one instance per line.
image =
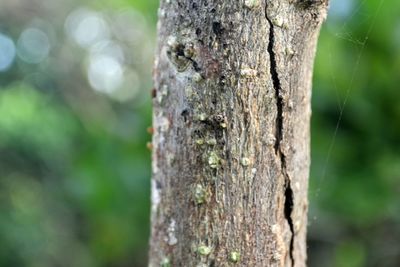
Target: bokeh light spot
pixel 33 46
pixel 108 48
pixel 7 52
pixel 86 27
pixel 105 73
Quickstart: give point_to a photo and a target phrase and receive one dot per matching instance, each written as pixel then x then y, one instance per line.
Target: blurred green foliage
pixel 74 168
pixel 355 175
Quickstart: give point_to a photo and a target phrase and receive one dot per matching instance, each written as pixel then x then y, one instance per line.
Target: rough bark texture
pixel 231 132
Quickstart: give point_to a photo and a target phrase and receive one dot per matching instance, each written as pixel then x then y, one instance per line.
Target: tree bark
pixel 231 121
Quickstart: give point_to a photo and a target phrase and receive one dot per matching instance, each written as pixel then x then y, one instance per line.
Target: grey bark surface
pixel 231 143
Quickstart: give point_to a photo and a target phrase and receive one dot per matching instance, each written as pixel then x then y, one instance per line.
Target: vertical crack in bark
pixel 288 214
pixel 289 197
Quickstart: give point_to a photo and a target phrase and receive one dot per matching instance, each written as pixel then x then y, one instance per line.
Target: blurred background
pixel 75 79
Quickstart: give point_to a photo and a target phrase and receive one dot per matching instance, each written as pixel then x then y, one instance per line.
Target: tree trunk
pixel 231 150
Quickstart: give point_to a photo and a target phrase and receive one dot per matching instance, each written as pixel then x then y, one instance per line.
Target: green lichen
pixel 162 94
pixel 199 142
pixel 204 250
pixel 197 77
pixel 189 51
pixel 248 72
pixel 271 139
pixel 289 51
pixel 213 160
pixel 251 3
pixel 200 194
pixel 189 92
pixel 170 158
pixel 234 256
pixel 201 117
pixel 278 21
pixel 245 161
pixel 165 263
pixel 211 142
